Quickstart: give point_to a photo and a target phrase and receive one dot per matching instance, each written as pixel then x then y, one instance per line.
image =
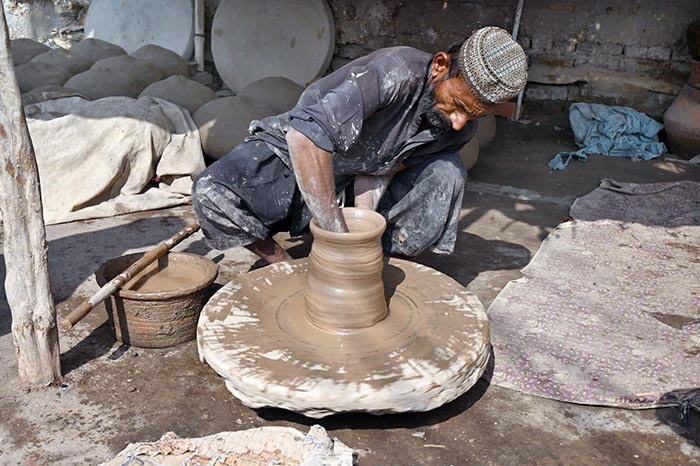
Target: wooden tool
pixel 119 281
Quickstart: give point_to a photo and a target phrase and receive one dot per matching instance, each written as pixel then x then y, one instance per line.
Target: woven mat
pixel 608 311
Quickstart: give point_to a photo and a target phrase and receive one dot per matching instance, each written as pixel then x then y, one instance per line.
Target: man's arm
pixel 313 169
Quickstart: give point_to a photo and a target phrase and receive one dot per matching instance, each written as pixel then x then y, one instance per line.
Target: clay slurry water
pixel 165 279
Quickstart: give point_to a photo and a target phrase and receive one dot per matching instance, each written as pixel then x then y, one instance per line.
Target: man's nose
pixel 458 120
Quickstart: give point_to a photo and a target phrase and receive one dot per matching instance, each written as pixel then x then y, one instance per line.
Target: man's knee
pixel 449 172
pixel 202 189
pixel 198 186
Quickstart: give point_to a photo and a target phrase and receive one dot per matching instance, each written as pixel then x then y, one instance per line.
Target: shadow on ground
pixel 518 157
pixel 387 421
pixel 684 418
pixel 95 345
pixel 75 257
pixel 473 254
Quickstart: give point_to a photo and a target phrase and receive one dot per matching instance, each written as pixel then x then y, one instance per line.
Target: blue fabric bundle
pixel 613 131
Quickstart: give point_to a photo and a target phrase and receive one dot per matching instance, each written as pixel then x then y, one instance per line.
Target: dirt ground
pixel 112 395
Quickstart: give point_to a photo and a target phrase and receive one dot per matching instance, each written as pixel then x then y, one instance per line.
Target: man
pixel 389 125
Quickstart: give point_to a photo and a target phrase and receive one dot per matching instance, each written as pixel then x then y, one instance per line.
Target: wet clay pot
pixel 682 117
pixel 344 288
pixel 160 306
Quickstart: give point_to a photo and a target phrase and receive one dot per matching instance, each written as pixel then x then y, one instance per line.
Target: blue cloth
pixel 613 131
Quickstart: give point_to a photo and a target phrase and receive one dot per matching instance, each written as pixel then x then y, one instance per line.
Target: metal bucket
pixel 158 319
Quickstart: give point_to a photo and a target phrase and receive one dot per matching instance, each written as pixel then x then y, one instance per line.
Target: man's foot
pixel 404 257
pixel 269 250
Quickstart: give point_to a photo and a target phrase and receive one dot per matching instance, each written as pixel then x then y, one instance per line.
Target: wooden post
pixel 34 330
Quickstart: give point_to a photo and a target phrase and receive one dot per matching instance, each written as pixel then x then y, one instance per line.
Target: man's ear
pixel 440 66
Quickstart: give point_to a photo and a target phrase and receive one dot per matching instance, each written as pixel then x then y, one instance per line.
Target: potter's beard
pixel 435 117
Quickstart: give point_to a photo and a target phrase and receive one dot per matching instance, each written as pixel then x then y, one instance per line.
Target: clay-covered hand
pixel 369 190
pixel 313 169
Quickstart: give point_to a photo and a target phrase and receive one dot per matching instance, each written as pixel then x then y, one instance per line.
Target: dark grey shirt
pixel 367 114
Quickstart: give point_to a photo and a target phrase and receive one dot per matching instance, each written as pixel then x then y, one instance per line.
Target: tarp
pixel 612 131
pixel 607 311
pixel 99 159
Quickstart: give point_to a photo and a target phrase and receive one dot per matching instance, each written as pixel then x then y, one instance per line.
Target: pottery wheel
pixel 432 347
pixel 255 40
pixel 134 23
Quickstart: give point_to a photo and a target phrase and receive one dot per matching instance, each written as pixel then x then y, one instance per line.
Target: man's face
pixel 454 105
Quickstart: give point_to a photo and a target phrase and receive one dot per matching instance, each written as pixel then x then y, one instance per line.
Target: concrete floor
pixel 114 395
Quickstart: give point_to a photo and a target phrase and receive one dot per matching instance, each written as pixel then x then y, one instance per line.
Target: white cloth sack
pixel 260 446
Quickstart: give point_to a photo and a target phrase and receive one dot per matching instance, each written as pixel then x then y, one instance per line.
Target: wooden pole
pixel 199 34
pixel 34 330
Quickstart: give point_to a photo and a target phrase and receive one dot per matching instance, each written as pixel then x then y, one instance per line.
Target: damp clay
pixel 99 84
pixel 345 330
pixel 44 93
pixel 116 76
pixel 38 74
pixel 168 62
pixel 94 50
pixel 280 93
pixel 61 57
pixel 223 123
pixel 141 70
pixel 181 91
pixel 23 50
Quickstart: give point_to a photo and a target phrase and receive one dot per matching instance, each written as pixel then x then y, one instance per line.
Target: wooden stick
pixel 117 282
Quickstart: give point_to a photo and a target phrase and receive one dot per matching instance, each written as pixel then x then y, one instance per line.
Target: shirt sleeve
pixel 332 111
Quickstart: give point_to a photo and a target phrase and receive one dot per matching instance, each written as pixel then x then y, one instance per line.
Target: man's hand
pixel 313 169
pixel 369 190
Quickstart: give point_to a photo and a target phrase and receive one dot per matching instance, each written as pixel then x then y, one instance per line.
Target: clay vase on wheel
pixel 344 288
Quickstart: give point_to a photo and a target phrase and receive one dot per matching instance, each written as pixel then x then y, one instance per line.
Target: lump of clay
pixel 280 93
pixel 96 84
pixel 470 152
pixel 141 69
pixel 486 130
pixel 38 74
pixel 115 76
pixel 94 50
pixel 43 93
pixel 223 123
pixel 168 62
pixel 64 58
pixel 181 91
pixel 23 50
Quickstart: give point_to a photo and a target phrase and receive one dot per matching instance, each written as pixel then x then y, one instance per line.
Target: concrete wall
pixel 53 22
pixel 623 52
